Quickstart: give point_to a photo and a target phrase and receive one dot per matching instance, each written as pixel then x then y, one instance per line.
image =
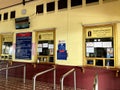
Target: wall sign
pixel 62 52
pixel 23 46
pixel 97 32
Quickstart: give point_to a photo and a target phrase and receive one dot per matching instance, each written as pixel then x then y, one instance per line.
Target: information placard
pixel 99 32
pixel 23 46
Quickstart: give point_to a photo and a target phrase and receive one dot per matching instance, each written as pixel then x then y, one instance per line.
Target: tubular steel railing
pixel 43 72
pixel 11 67
pixel 65 75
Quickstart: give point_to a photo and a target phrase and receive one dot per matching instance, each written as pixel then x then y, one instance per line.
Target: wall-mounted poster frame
pixel 99 45
pixel 23 49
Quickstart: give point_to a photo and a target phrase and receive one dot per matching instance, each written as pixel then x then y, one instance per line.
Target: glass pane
pixel 109 62
pixel 50 6
pixel 99 63
pixel 90 62
pixel 76 2
pixel 39 8
pixel 62 4
pixel 91 1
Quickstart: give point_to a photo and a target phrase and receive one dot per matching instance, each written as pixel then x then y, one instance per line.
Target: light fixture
pixel 23 11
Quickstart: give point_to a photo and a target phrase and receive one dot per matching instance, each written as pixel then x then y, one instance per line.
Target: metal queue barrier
pixel 66 74
pixel 11 67
pixel 3 64
pixel 43 72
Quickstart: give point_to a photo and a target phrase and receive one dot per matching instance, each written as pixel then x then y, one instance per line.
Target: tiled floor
pixel 17 84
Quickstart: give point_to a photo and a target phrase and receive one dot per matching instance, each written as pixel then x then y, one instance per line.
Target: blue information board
pixel 62 52
pixel 23 46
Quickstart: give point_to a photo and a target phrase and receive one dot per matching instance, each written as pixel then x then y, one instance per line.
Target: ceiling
pixel 9 3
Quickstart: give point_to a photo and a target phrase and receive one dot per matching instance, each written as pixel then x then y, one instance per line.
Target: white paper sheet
pixel 39 49
pixel 45 45
pixel 98 44
pixel 90 49
pixel 51 46
pixel 107 44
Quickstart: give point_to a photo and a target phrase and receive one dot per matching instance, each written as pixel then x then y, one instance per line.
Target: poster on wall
pixel 62 52
pixel 23 46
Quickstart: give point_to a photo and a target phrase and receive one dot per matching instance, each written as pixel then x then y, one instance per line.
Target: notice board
pixel 23 46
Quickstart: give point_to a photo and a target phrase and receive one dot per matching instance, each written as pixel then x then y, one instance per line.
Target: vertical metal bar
pixel 24 74
pixel 7 71
pixel 61 85
pixel 74 80
pixel 34 82
pixel 54 76
pixel 95 86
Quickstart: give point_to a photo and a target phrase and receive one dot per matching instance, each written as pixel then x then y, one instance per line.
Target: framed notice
pixel 23 46
pixel 99 32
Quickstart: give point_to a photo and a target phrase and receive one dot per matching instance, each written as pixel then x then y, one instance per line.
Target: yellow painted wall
pixel 118 44
pixel 68 24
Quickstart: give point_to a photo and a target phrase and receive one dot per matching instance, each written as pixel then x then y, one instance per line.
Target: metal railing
pixel 7 68
pixel 66 74
pixel 43 72
pixel 3 64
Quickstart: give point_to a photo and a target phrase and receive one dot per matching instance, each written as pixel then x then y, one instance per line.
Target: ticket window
pixel 45 47
pixel 99 46
pixel 6 46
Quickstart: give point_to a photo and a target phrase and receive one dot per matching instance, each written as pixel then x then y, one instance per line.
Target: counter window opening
pixel 99 46
pixel 46 46
pixel 6 46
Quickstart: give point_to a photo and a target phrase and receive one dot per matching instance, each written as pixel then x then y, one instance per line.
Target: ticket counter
pixel 100 46
pixel 45 46
pixel 6 46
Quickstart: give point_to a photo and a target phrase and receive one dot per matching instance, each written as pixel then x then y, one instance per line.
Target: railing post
pixel 7 71
pixel 61 84
pixel 95 85
pixel 74 80
pixel 34 83
pixel 54 79
pixel 24 74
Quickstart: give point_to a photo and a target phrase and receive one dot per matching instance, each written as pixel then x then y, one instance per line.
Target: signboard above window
pixel 22 23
